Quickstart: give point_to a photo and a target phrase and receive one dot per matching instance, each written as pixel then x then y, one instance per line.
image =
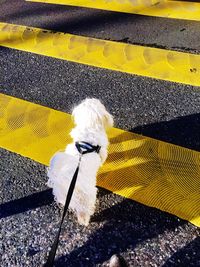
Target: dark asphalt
pixel 163 110
pixel 173 34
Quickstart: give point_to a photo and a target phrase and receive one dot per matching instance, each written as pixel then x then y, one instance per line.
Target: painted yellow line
pixel 149 171
pixel 151 62
pixel 158 8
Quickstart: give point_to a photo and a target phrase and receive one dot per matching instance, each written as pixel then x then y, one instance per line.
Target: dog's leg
pixel 86 206
pixel 83 218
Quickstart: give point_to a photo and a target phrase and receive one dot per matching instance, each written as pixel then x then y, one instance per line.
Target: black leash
pixel 83 148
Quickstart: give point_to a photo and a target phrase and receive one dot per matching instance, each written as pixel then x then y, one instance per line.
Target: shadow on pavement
pixel 182 131
pixel 127 224
pixel 187 256
pixel 68 19
pixel 26 203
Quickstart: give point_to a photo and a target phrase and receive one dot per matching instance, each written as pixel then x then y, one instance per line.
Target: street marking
pixel 158 8
pixel 146 170
pixel 140 60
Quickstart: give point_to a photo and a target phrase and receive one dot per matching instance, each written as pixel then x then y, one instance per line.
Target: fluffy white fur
pixel 91 121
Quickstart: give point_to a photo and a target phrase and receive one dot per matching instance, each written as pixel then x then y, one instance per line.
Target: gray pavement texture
pixel 163 110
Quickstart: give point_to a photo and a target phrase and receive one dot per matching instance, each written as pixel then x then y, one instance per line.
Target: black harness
pixel 83 148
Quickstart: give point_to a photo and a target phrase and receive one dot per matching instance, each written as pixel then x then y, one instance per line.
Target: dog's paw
pixel 83 218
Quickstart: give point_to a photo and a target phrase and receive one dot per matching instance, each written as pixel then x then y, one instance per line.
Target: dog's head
pixel 92 113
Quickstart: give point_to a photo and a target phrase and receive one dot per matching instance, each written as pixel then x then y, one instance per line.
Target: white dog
pixel 91 120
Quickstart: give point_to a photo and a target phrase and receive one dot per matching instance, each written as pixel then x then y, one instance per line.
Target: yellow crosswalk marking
pixel 151 62
pixel 158 8
pixel 149 171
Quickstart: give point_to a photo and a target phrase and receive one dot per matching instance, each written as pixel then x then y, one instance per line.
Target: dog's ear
pixel 108 120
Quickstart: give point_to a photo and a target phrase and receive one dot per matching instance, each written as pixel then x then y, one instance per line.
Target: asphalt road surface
pixel 160 109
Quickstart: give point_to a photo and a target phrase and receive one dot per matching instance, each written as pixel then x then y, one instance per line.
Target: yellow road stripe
pixel 149 171
pixel 158 8
pixel 151 62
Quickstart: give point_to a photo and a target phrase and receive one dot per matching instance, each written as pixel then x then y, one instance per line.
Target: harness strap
pixel 83 148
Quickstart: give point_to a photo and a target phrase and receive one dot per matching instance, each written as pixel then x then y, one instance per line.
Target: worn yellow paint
pixel 149 171
pixel 151 62
pixel 158 8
